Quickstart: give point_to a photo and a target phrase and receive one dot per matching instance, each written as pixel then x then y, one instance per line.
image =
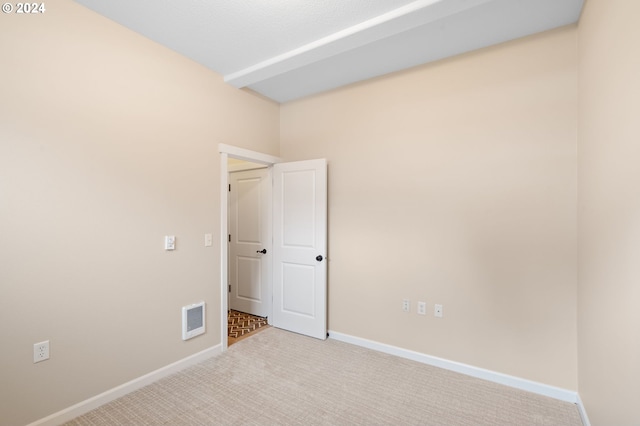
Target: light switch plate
pixel 170 242
pixel 208 240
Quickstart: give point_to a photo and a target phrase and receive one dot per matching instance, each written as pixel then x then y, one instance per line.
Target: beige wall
pixel 452 183
pixel 609 212
pixel 455 183
pixel 108 142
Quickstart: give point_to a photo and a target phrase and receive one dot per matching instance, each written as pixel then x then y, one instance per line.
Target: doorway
pixel 249 238
pixel 231 152
pixel 299 256
pixel 249 242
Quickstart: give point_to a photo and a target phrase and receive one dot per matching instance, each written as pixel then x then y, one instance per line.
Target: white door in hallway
pixel 250 241
pixel 300 247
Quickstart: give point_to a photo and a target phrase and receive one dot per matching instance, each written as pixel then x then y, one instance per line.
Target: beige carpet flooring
pixel 281 378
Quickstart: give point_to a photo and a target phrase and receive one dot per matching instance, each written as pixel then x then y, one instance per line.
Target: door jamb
pixel 226 152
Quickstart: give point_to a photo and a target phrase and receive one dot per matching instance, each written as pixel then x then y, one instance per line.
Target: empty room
pixel 437 201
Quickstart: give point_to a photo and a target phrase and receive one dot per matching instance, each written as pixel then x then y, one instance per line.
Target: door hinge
pixel 229 187
pixel 229 237
pixel 229 288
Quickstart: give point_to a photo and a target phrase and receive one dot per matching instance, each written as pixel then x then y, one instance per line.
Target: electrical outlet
pixel 422 308
pixel 406 305
pixel 40 351
pixel 437 311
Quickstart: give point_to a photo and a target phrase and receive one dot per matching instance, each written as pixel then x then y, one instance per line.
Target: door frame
pixel 226 152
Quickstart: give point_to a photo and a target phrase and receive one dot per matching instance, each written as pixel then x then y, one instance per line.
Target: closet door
pixel 250 241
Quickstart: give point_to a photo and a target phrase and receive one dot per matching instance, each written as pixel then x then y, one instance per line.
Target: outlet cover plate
pixel 437 311
pixel 40 351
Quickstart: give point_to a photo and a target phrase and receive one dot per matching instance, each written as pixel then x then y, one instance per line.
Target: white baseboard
pixel 108 396
pixel 469 370
pixel 583 412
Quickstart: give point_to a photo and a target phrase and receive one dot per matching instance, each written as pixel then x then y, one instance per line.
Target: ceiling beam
pixel 412 15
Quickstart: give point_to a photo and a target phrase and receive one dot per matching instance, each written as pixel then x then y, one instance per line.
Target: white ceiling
pixel 288 49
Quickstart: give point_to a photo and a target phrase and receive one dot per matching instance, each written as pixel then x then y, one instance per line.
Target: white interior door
pixel 299 247
pixel 250 241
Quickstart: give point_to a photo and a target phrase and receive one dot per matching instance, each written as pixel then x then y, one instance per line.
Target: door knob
pixel 263 251
pixel 319 258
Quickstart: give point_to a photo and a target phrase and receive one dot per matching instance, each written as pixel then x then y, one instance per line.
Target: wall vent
pixel 193 320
